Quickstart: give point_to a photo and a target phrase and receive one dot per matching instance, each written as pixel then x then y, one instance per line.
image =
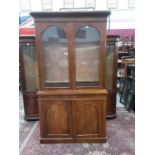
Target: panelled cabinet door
pixel 55 52
pixel 56 115
pixel 89 124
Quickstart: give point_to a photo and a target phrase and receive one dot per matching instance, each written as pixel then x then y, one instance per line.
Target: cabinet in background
pixel 111 73
pixel 29 76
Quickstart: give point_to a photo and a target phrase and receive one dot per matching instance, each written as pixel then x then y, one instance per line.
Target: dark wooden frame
pixel 72 103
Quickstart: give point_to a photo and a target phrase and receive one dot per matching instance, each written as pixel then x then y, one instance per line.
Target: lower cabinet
pixel 30 106
pixel 72 119
pixel 111 104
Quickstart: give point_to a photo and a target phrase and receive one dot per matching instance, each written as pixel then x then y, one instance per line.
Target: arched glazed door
pixel 55 49
pixel 87 47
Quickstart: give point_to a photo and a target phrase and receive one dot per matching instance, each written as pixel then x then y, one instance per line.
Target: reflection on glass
pixel 87 55
pixel 30 68
pixel 109 66
pixel 55 56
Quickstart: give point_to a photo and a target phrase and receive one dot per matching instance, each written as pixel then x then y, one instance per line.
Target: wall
pixel 122 17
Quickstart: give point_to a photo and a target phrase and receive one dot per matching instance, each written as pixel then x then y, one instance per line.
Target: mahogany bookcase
pixel 71 51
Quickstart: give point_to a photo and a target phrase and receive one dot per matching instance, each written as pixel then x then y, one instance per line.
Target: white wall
pixel 122 17
pixel 57 4
pixel 36 5
pixel 101 4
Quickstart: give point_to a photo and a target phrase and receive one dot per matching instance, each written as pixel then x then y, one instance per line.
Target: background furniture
pixel 29 76
pixel 126 55
pixel 122 71
pixel 111 73
pixel 128 88
pixel 71 54
pixel 126 73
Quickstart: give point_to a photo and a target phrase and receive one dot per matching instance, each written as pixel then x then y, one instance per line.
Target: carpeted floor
pixel 120 139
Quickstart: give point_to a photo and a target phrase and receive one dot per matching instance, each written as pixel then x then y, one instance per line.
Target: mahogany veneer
pixel 72 116
pixel 71 59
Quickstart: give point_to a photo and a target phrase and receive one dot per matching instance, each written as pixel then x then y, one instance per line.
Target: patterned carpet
pixel 120 139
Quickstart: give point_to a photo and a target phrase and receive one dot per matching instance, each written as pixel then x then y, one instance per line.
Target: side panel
pixel 111 104
pixel 30 106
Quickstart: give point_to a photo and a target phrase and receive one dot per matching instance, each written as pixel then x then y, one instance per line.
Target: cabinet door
pixel 109 70
pixel 30 68
pixel 55 57
pixel 89 118
pixel 87 51
pixel 55 118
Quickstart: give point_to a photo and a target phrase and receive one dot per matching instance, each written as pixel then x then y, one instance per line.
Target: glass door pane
pixel 55 57
pixel 109 66
pixel 87 42
pixel 30 68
